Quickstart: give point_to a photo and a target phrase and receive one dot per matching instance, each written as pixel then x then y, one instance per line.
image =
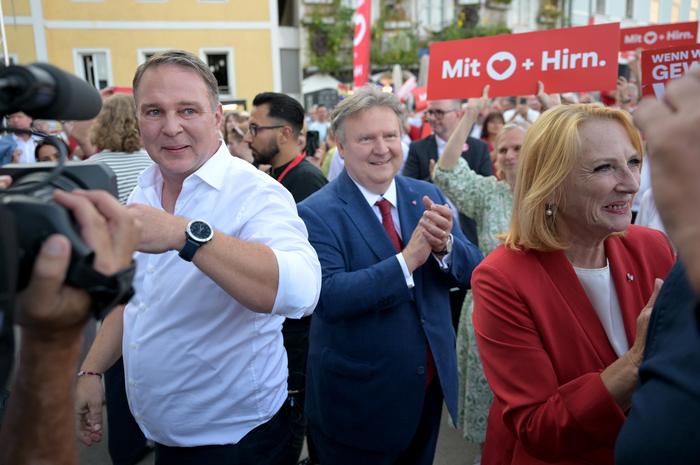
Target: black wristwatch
pixel 197 233
pixel 448 248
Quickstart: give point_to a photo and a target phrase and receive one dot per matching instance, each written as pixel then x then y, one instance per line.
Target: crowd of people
pixel 476 254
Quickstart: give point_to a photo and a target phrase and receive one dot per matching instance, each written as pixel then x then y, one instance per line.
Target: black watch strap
pixel 188 251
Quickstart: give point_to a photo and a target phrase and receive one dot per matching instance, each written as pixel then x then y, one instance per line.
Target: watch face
pixel 200 230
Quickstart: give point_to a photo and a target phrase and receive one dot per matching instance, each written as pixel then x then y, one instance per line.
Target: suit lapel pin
pixel 630 277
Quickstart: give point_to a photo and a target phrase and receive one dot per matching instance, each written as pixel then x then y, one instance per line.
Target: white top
pixel 644 186
pixel 648 214
pixel 600 289
pixel 28 147
pixel 322 128
pixel 391 196
pixel 200 368
pixel 532 116
pixel 337 165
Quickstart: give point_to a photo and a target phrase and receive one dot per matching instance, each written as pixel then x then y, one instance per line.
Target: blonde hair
pixel 497 143
pixel 116 127
pixel 549 153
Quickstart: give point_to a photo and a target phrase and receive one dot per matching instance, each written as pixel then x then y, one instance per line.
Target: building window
pixel 291 78
pixel 287 13
pixel 434 14
pixel 94 67
pixel 654 11
pixel 600 7
pixel 629 8
pixel 220 62
pixel 675 10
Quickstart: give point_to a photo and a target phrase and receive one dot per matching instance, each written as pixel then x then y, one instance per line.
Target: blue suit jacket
pixel 367 345
pixel 662 426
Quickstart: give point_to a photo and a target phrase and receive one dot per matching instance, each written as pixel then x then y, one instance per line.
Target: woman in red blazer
pixel 561 308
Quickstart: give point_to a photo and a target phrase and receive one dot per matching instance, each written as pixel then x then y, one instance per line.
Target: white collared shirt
pixel 440 145
pixel 200 368
pixel 28 147
pixel 391 196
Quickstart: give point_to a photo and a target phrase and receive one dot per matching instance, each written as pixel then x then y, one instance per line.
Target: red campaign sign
pixel 420 98
pixel 661 66
pixel 361 44
pixel 566 60
pixel 658 36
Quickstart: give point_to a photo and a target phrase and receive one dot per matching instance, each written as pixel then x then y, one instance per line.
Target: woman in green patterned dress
pixel 489 201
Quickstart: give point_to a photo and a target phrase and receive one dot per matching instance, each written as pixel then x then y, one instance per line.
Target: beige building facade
pixel 103 41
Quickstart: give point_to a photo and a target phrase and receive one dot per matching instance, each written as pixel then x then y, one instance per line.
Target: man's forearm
pixel 107 347
pixel 39 426
pixel 245 270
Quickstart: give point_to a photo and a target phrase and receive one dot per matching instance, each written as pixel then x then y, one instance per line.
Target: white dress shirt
pixel 27 147
pixel 200 368
pixel 391 196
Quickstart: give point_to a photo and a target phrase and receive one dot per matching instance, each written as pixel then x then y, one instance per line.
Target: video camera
pixel 28 213
pixel 29 202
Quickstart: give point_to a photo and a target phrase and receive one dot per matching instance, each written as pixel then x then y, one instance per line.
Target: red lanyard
pixel 294 163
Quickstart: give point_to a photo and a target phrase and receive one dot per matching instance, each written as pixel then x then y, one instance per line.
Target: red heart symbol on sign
pixel 500 66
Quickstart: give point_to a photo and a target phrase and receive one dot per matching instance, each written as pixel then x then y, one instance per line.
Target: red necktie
pixel 388 223
pixel 390 228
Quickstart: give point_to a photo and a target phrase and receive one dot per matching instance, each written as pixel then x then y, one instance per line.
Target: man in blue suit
pixel 381 347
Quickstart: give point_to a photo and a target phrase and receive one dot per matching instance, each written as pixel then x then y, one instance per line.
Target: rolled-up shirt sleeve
pixel 299 282
pixel 270 218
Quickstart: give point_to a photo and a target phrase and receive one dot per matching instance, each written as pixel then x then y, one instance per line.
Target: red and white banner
pixel 565 60
pixel 361 43
pixel 661 66
pixel 420 98
pixel 658 36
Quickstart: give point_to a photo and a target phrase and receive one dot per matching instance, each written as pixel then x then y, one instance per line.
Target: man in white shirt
pixel 26 145
pixel 321 123
pixel 223 259
pixel 522 114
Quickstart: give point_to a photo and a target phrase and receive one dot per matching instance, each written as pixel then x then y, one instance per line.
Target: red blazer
pixel 543 348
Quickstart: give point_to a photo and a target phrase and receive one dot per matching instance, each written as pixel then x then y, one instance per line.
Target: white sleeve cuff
pixel 408 276
pixel 299 283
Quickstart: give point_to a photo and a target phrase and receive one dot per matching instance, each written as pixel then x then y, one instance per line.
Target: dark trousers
pixel 126 442
pixel 457 296
pixel 296 343
pixel 265 445
pixel 421 450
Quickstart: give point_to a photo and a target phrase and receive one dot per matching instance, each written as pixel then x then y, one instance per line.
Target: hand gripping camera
pixel 28 214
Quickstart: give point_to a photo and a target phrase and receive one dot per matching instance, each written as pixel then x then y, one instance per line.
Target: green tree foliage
pixel 330 29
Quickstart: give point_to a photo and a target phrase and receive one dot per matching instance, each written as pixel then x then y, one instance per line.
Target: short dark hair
pixel 284 107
